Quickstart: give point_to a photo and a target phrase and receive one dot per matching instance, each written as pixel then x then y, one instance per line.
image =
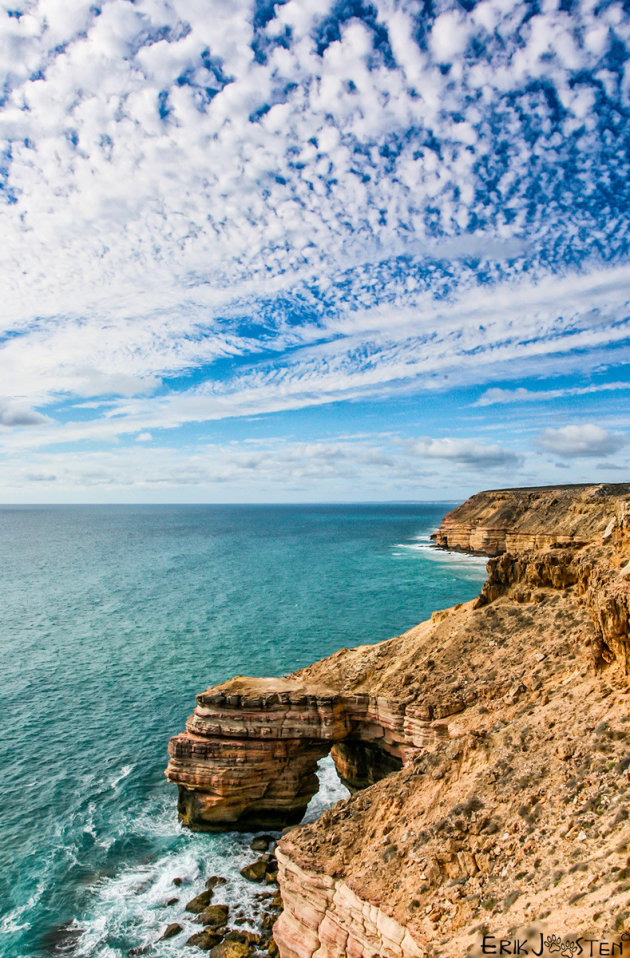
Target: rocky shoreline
pixel 487 749
pixel 222 934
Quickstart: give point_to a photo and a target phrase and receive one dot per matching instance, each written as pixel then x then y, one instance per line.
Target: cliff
pixel 514 520
pixel 487 748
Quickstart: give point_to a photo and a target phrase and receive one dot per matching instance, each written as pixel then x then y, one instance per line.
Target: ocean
pixel 112 618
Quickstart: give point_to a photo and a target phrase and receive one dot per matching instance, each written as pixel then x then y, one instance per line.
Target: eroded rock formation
pixel 327 917
pixel 490 745
pixel 248 755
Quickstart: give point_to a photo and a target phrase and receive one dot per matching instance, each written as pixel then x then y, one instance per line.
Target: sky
pixel 312 250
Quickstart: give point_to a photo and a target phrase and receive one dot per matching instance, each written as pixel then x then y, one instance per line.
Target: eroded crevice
pixel 361 764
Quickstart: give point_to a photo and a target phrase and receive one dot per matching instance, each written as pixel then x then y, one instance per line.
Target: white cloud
pixel 415 344
pixel 16 414
pixel 345 467
pixel 466 452
pixel 448 36
pixel 204 218
pixel 221 470
pixel 109 193
pixel 577 441
pixel 499 396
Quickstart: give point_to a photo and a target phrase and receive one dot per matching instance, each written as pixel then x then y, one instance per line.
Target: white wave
pixel 131 906
pixel 331 790
pixel 124 772
pixel 89 827
pixel 425 547
pixel 12 922
pixel 157 819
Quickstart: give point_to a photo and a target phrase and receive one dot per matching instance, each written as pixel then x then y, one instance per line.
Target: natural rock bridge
pixel 248 756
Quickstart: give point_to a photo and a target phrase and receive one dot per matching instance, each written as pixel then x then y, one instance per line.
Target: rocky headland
pixel 487 750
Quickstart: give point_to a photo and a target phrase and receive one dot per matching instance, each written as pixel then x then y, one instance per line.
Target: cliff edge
pixel 488 752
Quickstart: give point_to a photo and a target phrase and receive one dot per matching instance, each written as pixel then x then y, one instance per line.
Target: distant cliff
pixel 513 520
pixel 488 750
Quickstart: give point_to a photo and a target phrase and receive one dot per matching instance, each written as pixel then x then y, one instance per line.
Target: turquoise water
pixel 111 620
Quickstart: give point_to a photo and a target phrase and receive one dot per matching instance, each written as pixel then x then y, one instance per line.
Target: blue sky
pixel 312 250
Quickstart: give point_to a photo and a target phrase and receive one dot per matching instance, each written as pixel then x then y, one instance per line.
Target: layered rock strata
pixel 327 917
pixel 509 716
pixel 515 520
pixel 248 755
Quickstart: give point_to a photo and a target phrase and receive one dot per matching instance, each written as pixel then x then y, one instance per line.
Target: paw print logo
pixel 553 942
pixel 569 948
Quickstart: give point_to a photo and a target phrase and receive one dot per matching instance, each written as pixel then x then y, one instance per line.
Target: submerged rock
pixel 215 881
pixel 262 843
pixel 63 938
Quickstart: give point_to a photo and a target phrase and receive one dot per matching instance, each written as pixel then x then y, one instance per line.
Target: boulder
pixel 232 949
pixel 245 937
pixel 215 881
pixel 262 843
pixel 257 870
pixel 171 930
pixel 198 904
pixel 205 940
pixel 214 916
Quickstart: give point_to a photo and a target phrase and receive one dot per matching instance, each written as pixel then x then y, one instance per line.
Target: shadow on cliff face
pixel 360 764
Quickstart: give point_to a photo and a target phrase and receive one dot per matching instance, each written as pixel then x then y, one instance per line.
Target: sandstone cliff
pixel 489 749
pixel 513 520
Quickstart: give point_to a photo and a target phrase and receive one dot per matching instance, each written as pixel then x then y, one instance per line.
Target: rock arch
pixel 248 756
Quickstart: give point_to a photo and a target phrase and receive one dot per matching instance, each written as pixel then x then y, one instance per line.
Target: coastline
pixel 429 729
